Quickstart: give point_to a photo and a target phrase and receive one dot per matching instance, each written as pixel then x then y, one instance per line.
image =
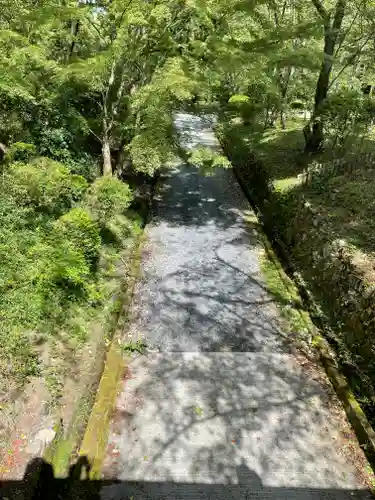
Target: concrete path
pixel 218 408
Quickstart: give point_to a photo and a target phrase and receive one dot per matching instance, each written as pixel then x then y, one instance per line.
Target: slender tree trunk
pixel 315 138
pixel 282 119
pixel 107 125
pixel 111 106
pixel 325 73
pixel 106 152
pixel 75 26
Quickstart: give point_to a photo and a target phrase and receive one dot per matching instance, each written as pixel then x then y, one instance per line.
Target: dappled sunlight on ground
pixel 198 416
pixel 219 388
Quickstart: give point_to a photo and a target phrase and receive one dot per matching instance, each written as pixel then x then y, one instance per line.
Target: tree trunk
pixel 284 80
pixel 325 73
pixel 315 139
pixel 75 26
pixel 282 119
pixel 106 152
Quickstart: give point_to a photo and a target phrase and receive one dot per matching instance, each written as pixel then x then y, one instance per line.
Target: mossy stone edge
pixel 364 431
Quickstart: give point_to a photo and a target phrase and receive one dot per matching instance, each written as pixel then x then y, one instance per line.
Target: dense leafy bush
pixel 47 264
pixel 207 159
pixel 20 151
pixel 243 105
pixel 67 266
pixel 47 185
pixel 84 165
pixel 108 196
pixel 80 232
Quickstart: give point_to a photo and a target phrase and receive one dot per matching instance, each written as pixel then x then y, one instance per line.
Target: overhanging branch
pixel 321 10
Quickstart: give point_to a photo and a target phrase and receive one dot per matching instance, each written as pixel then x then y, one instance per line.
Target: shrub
pixel 242 104
pixel 21 151
pixel 107 197
pixel 47 184
pixel 55 143
pixel 207 159
pixel 68 266
pixel 79 230
pixel 84 165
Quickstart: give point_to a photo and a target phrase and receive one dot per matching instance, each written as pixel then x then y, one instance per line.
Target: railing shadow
pixel 39 483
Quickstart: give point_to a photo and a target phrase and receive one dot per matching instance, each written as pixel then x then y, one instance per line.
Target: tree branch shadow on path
pixel 208 410
pixel 230 309
pixel 215 301
pixel 220 391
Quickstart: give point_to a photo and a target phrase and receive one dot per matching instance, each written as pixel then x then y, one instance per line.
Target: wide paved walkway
pixel 218 407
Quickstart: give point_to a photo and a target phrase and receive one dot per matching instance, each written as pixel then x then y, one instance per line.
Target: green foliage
pixel 107 197
pixel 238 99
pixel 78 228
pixel 66 263
pixel 50 273
pixel 83 165
pixel 208 159
pixel 47 185
pixel 135 347
pixel 20 151
pixel 297 319
pixel 54 143
pixel 154 142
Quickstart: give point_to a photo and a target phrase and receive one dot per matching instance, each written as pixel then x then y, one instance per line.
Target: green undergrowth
pixel 111 320
pixel 60 240
pixel 138 346
pixel 340 184
pixel 296 319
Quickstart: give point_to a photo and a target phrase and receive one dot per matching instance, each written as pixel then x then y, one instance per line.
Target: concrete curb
pixel 365 433
pixel 96 435
pixel 94 442
pixel 356 416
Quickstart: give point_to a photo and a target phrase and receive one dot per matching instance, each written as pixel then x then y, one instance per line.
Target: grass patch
pixel 341 192
pixel 279 149
pixel 287 184
pixel 296 319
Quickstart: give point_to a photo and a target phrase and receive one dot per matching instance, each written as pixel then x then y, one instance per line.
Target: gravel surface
pixel 218 407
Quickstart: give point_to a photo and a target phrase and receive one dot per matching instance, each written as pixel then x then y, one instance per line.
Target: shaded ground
pixel 219 391
pixel 39 483
pixel 342 192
